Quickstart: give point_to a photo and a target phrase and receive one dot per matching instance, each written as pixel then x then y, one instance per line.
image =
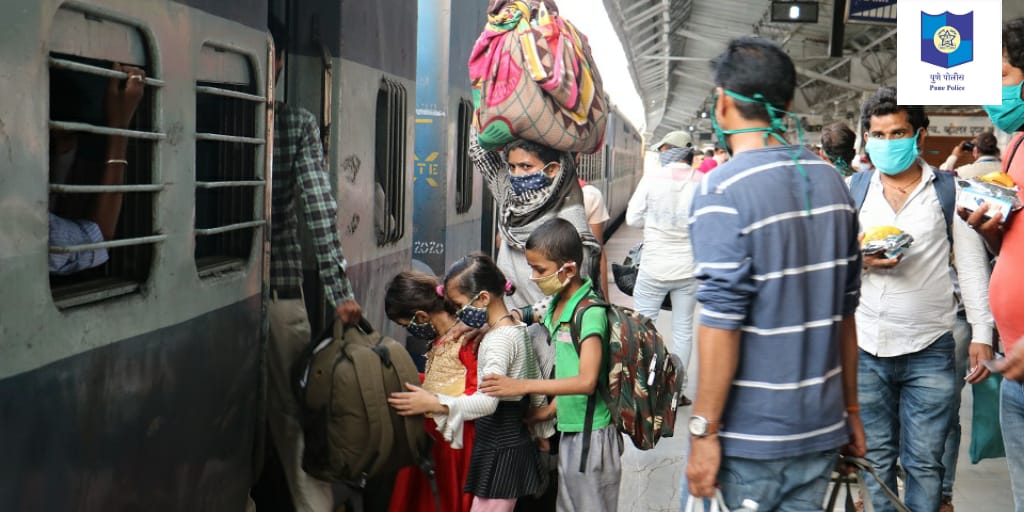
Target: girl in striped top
pixel 504 463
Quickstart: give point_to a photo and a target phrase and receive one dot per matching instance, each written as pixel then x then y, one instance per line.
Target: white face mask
pixel 60 168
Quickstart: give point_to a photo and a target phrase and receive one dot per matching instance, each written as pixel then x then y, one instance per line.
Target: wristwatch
pixel 702 427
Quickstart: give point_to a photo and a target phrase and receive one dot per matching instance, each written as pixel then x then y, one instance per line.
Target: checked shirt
pixel 301 184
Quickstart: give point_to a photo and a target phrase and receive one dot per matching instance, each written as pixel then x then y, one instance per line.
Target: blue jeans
pixel 905 404
pixel 788 484
pixel 962 337
pixel 1011 420
pixel 649 293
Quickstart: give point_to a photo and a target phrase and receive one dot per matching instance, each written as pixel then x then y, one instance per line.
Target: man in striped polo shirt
pixel 774 235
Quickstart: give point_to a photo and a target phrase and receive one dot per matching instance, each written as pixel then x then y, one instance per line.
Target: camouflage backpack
pixel 645 380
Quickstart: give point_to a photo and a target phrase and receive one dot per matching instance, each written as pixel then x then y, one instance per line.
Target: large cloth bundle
pixel 534 78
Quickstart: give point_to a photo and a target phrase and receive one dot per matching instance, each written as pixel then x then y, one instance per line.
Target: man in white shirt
pixel 984 149
pixel 907 309
pixel 597 216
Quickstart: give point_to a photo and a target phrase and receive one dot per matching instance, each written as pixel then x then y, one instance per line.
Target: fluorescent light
pixel 794 12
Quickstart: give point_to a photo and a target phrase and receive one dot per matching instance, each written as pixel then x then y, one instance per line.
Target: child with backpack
pixel 589 465
pixel 504 463
pixel 415 300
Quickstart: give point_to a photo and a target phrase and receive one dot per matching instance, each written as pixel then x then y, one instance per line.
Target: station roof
pixel 669 44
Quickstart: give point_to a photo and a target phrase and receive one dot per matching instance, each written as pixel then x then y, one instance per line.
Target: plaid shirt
pixel 301 181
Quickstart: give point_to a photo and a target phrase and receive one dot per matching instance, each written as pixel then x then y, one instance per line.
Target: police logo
pixel 947 39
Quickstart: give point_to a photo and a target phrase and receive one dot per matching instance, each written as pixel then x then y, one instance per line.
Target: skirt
pixel 505 463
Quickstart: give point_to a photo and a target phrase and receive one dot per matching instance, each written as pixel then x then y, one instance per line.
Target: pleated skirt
pixel 505 463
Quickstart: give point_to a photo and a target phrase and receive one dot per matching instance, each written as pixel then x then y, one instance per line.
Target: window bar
pixel 109 244
pixel 230 184
pixel 71 65
pixel 228 93
pixel 230 227
pixel 105 130
pixel 217 137
pixel 97 189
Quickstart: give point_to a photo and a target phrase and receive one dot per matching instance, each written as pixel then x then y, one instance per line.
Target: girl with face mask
pixel 504 464
pixel 415 300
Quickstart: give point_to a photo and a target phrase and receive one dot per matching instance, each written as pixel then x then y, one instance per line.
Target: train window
pixel 229 181
pixel 390 156
pixel 101 200
pixel 463 166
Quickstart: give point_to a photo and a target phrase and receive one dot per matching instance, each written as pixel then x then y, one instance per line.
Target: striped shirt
pixel 68 232
pixel 508 351
pixel 301 184
pixel 785 278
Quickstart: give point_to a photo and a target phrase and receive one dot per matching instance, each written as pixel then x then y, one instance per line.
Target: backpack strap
pixel 369 371
pixel 575 329
pixel 945 189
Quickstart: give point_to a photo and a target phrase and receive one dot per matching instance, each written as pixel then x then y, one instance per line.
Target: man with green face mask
pixel 774 236
pixel 1007 239
pixel 907 372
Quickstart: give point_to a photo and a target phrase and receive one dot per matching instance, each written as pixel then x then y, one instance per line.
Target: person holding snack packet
pixel 906 370
pixel 1006 238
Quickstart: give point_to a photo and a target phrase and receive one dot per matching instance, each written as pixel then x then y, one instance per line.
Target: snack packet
pixel 995 188
pixel 890 241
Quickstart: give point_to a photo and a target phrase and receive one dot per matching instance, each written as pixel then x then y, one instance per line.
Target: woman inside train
pixel 415 300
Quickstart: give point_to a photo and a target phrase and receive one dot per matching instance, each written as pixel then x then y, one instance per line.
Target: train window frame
pixel 133 250
pixel 390 154
pixel 463 165
pixel 236 186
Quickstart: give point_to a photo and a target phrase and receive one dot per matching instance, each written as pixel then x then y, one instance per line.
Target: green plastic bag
pixel 986 436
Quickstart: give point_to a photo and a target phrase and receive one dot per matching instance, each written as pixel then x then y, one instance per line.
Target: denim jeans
pixel 1011 420
pixel 905 404
pixel 648 295
pixel 962 337
pixel 787 484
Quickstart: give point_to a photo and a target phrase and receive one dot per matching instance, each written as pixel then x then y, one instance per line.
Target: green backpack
pixel 342 383
pixel 645 380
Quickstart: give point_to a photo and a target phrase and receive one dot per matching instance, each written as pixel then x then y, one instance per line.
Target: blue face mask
pixel 1008 116
pixel 894 156
pixel 532 182
pixel 474 317
pixel 424 331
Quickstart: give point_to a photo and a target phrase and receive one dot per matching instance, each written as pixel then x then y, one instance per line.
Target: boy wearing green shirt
pixel 554 251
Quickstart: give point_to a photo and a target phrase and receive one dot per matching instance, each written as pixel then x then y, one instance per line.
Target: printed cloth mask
pixel 474 317
pixel 550 284
pixel 1009 115
pixel 673 155
pixel 424 331
pixel 531 182
pixel 893 156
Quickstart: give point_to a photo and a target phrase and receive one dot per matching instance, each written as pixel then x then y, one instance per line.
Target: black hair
pixel 558 241
pixel 544 153
pixel 709 153
pixel 752 65
pixel 412 291
pixel 883 102
pixel 477 273
pixel 987 144
pixel 279 33
pixel 1013 42
pixel 837 141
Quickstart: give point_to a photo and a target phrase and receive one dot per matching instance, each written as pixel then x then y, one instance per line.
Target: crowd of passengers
pixel 807 348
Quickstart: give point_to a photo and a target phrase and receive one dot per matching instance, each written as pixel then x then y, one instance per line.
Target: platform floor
pixel 650 479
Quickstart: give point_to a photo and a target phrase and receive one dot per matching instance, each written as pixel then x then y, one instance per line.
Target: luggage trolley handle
pixel 864 466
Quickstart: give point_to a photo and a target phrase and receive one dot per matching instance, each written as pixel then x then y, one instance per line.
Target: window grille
pixel 229 180
pixel 83 48
pixel 463 166
pixel 390 161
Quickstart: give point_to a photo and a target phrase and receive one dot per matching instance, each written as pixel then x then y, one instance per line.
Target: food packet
pixel 996 189
pixel 889 241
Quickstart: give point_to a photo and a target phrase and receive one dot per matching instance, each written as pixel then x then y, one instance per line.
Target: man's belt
pixel 286 292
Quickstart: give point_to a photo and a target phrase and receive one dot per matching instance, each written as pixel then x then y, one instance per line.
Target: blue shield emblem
pixel 947 39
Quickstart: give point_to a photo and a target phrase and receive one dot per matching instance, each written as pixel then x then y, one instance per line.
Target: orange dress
pixel 451 369
pixel 1006 290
